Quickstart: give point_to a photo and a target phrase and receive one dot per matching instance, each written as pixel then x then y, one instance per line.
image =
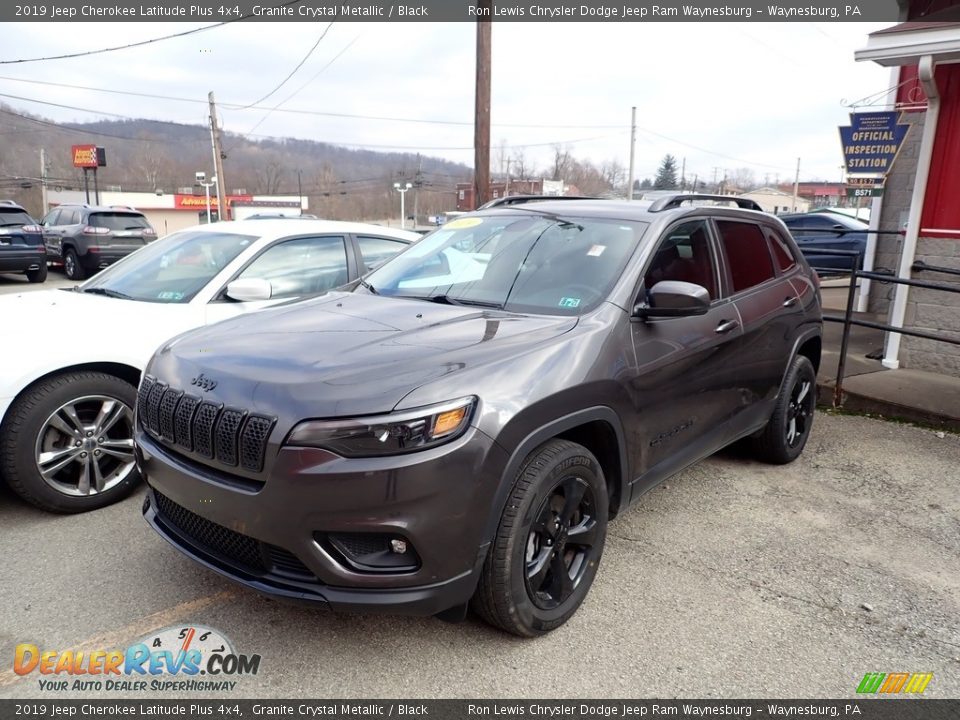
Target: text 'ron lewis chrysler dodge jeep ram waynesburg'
pixel 460 425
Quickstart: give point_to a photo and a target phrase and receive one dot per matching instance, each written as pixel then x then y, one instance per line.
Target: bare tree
pixel 523 169
pixel 270 176
pixel 614 174
pixel 562 162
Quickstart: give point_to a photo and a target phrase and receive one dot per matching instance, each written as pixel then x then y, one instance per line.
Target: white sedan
pixel 69 374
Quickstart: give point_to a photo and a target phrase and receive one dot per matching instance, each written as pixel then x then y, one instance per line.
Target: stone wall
pixel 928 310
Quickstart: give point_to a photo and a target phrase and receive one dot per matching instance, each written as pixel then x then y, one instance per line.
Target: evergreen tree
pixel 666 174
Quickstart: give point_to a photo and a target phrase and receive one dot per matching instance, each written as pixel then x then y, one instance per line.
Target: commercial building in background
pixel 538 186
pixel 922 188
pixel 169 212
pixel 776 201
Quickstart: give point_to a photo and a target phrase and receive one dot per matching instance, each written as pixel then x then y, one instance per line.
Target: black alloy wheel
pixel 561 543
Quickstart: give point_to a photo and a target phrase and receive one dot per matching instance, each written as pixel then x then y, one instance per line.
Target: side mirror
pixel 250 289
pixel 674 298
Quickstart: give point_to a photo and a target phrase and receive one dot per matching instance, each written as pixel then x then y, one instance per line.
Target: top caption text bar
pixel 448 11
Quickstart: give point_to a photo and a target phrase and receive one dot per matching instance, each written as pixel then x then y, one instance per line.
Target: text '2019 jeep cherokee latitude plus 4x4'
pixel 463 423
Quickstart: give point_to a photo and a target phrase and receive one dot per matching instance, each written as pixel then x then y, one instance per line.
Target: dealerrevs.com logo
pixel 175 659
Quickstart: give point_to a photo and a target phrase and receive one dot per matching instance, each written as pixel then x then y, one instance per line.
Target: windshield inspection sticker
pixel 462 223
pixel 569 302
pixel 169 295
pixel 596 250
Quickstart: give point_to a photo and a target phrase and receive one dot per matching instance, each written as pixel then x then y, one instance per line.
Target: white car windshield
pixel 530 263
pixel 171 270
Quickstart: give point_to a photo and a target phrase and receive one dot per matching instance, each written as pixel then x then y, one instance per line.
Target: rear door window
pixel 376 250
pixel 782 252
pixel 748 256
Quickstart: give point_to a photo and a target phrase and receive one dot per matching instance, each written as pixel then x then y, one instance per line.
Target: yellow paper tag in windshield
pixel 461 223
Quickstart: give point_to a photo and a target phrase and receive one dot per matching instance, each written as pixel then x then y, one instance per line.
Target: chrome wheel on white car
pixel 86 446
pixel 66 443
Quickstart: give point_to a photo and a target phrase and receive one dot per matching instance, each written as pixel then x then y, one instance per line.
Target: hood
pixel 343 354
pixel 66 327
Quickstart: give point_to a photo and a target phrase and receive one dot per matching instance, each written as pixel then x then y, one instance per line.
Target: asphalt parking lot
pixel 733 579
pixel 15 282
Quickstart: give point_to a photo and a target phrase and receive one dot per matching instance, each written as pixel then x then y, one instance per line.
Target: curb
pixel 854 402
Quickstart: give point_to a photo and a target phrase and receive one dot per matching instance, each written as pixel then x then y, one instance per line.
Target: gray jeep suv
pixel 86 238
pixel 458 427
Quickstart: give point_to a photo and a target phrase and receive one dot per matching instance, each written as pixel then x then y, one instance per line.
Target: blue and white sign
pixel 871 142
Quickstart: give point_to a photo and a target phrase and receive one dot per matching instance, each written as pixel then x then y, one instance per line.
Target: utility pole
pixel 216 142
pixel 43 181
pixel 796 186
pixel 683 175
pixel 716 172
pixel 633 144
pixel 417 183
pixel 506 190
pixel 481 138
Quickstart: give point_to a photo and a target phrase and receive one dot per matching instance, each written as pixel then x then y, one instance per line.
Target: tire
pixel 72 267
pixel 783 438
pixel 88 462
pixel 39 275
pixel 511 594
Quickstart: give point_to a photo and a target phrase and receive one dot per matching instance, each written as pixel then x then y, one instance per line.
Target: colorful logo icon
pixel 894 683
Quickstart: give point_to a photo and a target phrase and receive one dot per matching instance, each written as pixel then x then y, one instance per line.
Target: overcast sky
pixel 720 95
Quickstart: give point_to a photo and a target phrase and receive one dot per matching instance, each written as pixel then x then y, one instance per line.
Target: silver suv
pixel 86 238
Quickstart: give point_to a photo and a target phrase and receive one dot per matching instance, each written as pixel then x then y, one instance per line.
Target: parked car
pixel 21 243
pixel 462 422
pixel 87 238
pixel 67 393
pixel 815 231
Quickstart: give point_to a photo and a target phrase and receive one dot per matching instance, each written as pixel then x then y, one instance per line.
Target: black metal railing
pixel 856 273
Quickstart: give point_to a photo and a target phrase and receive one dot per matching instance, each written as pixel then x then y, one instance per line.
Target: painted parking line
pixel 122 636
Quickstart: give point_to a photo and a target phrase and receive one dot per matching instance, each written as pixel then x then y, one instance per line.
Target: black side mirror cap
pixel 674 298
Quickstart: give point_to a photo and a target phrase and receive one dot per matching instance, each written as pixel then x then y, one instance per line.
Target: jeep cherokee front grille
pixel 230 436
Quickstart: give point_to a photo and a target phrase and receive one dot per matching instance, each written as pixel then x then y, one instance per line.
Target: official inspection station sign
pixel 871 142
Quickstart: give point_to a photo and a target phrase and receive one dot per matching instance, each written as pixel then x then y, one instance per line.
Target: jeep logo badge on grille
pixel 204 383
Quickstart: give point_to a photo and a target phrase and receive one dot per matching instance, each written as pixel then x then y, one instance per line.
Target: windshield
pixel 170 270
pixel 526 263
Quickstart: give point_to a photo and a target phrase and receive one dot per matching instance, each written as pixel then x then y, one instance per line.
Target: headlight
pixel 391 434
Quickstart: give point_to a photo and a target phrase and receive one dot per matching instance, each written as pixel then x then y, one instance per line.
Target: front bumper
pixel 271 538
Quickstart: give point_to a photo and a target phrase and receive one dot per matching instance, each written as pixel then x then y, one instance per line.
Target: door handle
pixel 726 326
pixel 790 302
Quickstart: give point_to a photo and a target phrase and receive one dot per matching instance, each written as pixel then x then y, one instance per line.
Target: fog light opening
pixel 370 552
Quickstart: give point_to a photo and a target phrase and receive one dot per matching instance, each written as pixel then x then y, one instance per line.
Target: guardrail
pixel 849 321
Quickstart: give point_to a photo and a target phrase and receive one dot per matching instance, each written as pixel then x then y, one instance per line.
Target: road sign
pixel 864 192
pixel 871 142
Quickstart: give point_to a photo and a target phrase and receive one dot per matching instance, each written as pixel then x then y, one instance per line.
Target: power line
pixel 137 44
pixel 319 113
pixel 292 72
pixel 295 92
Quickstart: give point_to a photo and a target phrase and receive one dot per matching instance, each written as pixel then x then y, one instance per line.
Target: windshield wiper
pixel 447 300
pixel 108 292
pixel 368 286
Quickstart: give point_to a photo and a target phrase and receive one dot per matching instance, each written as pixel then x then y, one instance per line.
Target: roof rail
pixel 9 202
pixel 519 199
pixel 674 201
